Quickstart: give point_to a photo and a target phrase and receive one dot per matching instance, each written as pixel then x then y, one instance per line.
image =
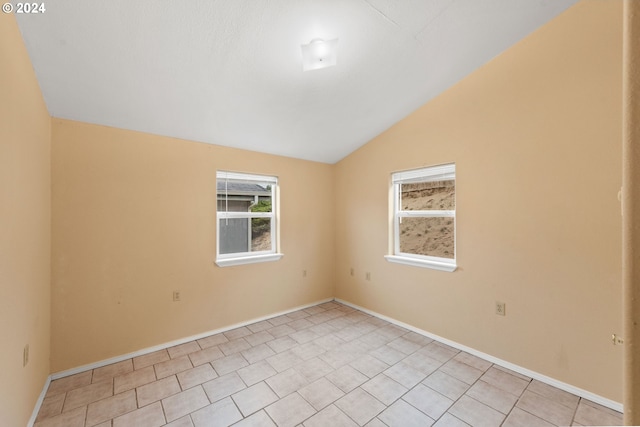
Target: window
pixel 424 217
pixel 246 218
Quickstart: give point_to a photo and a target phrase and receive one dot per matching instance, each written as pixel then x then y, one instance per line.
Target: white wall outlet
pixel 176 296
pixel 617 339
pixel 501 308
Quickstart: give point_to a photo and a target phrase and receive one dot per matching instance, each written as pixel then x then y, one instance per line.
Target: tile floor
pixel 328 365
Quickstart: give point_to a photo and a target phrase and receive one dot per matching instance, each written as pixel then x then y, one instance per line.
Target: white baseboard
pixel 105 362
pixel 36 409
pixel 616 406
pixel 148 350
pixel 519 369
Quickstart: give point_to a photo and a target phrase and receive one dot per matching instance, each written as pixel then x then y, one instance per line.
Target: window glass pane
pixel 260 234
pixel 426 196
pixel 428 236
pixel 243 196
pixel 234 235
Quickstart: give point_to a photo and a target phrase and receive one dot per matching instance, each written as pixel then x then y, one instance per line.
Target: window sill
pixel 435 265
pixel 230 262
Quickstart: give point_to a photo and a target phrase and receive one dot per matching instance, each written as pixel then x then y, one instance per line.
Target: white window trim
pixel 434 173
pixel 240 258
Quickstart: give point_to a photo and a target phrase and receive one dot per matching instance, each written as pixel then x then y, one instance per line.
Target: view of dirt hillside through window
pixel 432 236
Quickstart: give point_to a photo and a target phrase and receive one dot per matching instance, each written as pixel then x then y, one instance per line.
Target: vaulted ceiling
pixel 229 72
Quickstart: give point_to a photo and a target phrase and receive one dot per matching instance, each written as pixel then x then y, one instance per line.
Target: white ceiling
pixel 229 72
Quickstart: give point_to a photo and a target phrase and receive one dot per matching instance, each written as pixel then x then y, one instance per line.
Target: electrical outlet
pixel 176 296
pixel 25 355
pixel 367 276
pixel 501 308
pixel 304 273
pixel 617 339
pixel 351 271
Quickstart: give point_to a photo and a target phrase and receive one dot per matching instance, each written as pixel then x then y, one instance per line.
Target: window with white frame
pixel 424 217
pixel 246 218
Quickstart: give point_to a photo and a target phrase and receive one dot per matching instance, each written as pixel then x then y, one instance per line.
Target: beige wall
pixel 25 229
pixel 134 219
pixel 535 135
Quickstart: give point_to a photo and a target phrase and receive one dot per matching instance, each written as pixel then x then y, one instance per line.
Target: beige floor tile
pixel 281 331
pixel 111 407
pixel 259 419
pixel 505 381
pixel 313 369
pixel 475 413
pixel 234 346
pixel 347 378
pixel 196 376
pixel 133 379
pixel 281 344
pixel 51 406
pixel 446 385
pixel 461 371
pixel 492 396
pixel 388 355
pixel 428 401
pixel 300 324
pixel 330 416
pixel 173 366
pixel 472 360
pixel 307 350
pixel 283 361
pixel 254 398
pixel 260 326
pixel 448 420
pixel 256 372
pixel 591 414
pixel 369 365
pixel 437 351
pixel 290 411
pixel 422 363
pixel 547 409
pixel 212 340
pixel 157 390
pixel 229 364
pixel 183 403
pixel 150 359
pixel 181 422
pixel 384 389
pixel 63 385
pixel 73 418
pixel 182 349
pixel 404 374
pixel 219 414
pixel 401 414
pixel 287 382
pixel 303 336
pixel 222 387
pixel 258 353
pixel 234 334
pixel 560 396
pixel 258 338
pixel 205 356
pixel 149 416
pixel 90 393
pixel 360 406
pixel 520 418
pixel 321 393
pixel 108 372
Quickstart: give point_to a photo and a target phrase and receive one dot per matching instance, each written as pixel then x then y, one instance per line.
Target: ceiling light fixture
pixel 319 54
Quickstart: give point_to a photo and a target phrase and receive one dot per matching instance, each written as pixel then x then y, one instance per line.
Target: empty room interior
pixel 306 213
